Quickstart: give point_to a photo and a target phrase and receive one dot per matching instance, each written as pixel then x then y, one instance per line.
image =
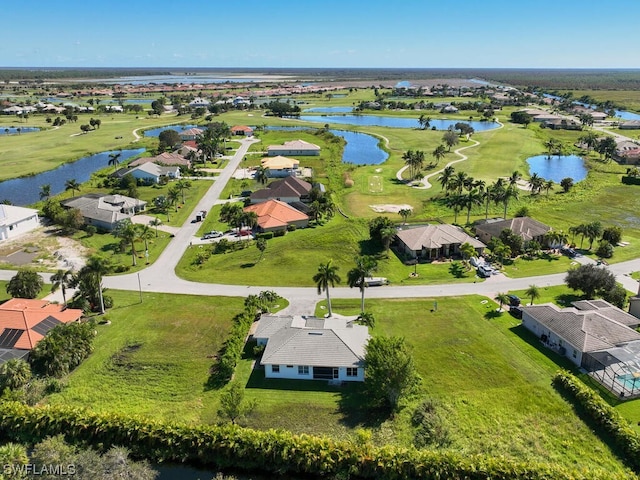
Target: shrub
pixel 279 233
pixel 291 228
pixel 265 235
pixel 430 430
pixel 605 249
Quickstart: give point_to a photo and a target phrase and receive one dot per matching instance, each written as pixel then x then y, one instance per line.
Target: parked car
pixel 243 233
pixel 212 234
pixel 514 300
pixel 484 272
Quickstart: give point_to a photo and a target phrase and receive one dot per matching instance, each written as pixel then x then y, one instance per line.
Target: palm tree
pixel 386 236
pixel 114 159
pixel 424 121
pixel 445 178
pixel 502 298
pixel 459 181
pixel 514 178
pixel 173 196
pixel 62 279
pixel 327 276
pixel 182 185
pixel 72 185
pixel 404 213
pixel 439 153
pixel 365 266
pixel 261 175
pixel 536 182
pixel 144 234
pixel 533 292
pixel 94 269
pixel 471 199
pixel 127 232
pixel 548 185
pixel 509 193
pixel 467 251
pixel 593 231
pixel 455 202
pixel 156 222
pixel 45 191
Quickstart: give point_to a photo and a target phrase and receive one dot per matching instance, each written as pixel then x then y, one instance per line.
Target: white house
pixel 15 221
pixel 294 147
pixel 152 173
pixel 310 348
pixel 199 102
pixel 105 211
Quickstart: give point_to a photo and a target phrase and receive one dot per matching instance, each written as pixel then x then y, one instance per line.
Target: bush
pixel 279 233
pixel 429 427
pixel 291 228
pixel 265 235
pixel 120 268
pixel 629 180
pixel 605 249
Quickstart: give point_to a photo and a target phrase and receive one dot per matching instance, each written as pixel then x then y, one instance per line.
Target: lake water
pixel 154 132
pixel 361 148
pixel 171 79
pixel 329 110
pixel 26 191
pixel 394 122
pixel 14 130
pixel 558 167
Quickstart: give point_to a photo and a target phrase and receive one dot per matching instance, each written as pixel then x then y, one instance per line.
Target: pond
pixel 558 167
pixel 26 191
pixel 394 122
pixel 361 148
pixel 329 110
pixel 15 131
pixel 154 132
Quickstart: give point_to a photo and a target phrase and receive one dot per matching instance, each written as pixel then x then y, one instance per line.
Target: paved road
pixel 160 276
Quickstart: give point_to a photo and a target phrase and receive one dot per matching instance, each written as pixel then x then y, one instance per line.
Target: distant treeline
pixel 567 79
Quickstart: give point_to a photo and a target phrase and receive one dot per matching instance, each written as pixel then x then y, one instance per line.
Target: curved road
pixel 161 277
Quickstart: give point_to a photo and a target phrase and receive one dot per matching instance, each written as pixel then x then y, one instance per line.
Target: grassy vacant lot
pixel 294 259
pixel 492 380
pixel 154 357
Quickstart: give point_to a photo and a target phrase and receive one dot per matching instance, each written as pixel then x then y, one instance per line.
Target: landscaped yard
pixel 489 375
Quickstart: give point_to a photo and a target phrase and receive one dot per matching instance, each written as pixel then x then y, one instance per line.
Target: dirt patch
pixel 43 248
pixel 390 208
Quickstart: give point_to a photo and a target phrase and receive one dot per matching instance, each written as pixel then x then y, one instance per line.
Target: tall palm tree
pixel 536 182
pixel 173 196
pixel 424 121
pixel 62 279
pixel 454 202
pixel 72 185
pixel 114 159
pixel 262 175
pixel 155 222
pixel 507 195
pixel 404 213
pixel 327 276
pixel 144 234
pixel 386 236
pixel 45 191
pixel 470 200
pixel 548 185
pixel 182 185
pixel 95 268
pixel 439 153
pixel 502 298
pixel 513 179
pixel 365 266
pixel 445 178
pixel 459 181
pixel 533 292
pixel 128 233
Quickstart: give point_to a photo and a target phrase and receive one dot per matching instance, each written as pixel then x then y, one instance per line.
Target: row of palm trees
pixel 132 233
pixel 415 160
pixel 88 280
pixel 327 276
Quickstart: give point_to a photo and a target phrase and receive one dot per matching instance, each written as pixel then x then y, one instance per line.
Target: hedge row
pixel 629 180
pixel 603 415
pixel 234 447
pixel 233 347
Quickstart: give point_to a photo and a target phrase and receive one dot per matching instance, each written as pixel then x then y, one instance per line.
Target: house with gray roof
pixel 311 348
pixel 152 173
pixel 435 241
pixel 15 221
pixel 289 190
pixel 105 211
pixel 525 227
pixel 294 147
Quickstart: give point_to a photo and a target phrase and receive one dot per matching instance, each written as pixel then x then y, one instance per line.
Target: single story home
pixel 525 227
pixel 164 158
pixel 562 124
pixel 152 173
pixel 594 335
pixel 274 215
pixel 288 190
pixel 190 134
pixel 629 125
pixel 105 211
pixel 199 102
pixel 294 147
pixel 24 322
pixel 435 241
pixel 242 130
pixel 15 221
pixel 310 348
pixel 280 166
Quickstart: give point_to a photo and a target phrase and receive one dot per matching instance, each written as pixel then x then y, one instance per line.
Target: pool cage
pixel 617 369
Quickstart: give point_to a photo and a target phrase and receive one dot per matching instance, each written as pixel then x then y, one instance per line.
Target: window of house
pixel 303 370
pixel 352 372
pixel 575 354
pixel 275 368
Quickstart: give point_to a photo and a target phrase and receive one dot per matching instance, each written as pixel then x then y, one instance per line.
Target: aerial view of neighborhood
pixel 336 272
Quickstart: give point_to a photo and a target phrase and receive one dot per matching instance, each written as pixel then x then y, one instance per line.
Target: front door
pixel 336 373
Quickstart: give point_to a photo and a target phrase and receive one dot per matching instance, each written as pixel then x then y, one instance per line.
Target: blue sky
pixel 329 33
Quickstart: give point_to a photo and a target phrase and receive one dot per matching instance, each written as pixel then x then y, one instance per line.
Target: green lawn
pixel 490 376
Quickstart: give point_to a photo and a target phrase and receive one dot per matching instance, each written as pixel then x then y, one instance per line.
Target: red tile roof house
pixel 24 322
pixel 242 130
pixel 274 215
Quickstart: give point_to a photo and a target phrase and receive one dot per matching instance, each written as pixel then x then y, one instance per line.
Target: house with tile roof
pixel 525 227
pixel 288 190
pixel 165 158
pixel 24 322
pixel 435 241
pixel 294 147
pixel 190 134
pixel 278 167
pixel 105 211
pixel 242 130
pixel 274 215
pixel 15 221
pixel 311 348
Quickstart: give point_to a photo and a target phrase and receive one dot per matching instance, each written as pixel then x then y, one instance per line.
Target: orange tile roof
pixel 274 213
pixel 25 314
